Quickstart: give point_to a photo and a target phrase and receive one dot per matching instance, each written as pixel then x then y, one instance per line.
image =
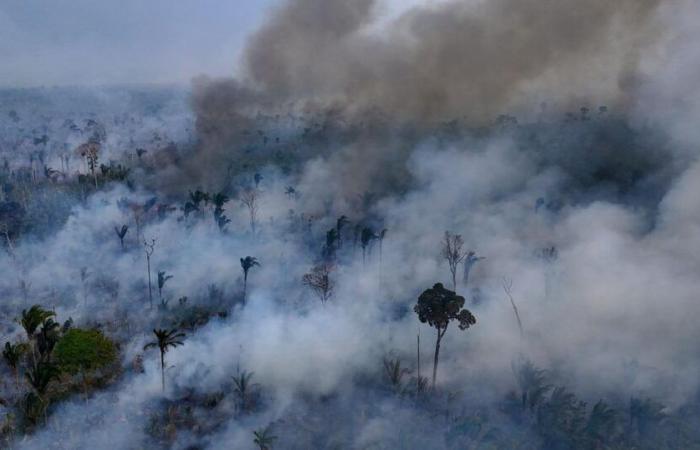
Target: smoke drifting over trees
pixel 311 215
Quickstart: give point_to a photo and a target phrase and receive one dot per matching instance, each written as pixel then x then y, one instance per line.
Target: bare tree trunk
pixel 150 289
pixel 437 355
pixel 162 370
pixel 418 354
pixel 245 285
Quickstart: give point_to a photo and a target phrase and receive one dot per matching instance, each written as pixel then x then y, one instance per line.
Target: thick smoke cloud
pixel 456 59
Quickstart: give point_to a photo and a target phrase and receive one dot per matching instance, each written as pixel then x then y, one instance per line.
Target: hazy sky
pixel 58 42
pixel 47 42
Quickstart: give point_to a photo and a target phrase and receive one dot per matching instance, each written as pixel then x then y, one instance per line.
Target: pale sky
pixel 95 42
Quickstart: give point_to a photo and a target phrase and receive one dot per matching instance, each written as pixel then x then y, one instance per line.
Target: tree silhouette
pixel 40 376
pixel 395 373
pixel 149 248
pixel 250 199
pixel 320 282
pixel 31 320
pixel 438 307
pixel 47 337
pixel 508 289
pixel 339 225
pixel 453 253
pixel 247 263
pixel 12 353
pixel 164 340
pixel 366 238
pixel 121 233
pixel 264 438
pixel 162 279
pixel 243 388
pixel 469 262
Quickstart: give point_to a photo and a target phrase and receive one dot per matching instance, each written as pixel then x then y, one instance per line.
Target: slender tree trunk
pixel 437 354
pixel 418 353
pixel 162 370
pixel 454 280
pixel 150 289
pixel 245 284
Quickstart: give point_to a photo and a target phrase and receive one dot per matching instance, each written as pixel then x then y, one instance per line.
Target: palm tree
pixel 164 340
pixel 162 279
pixel 243 388
pixel 121 233
pixel 264 438
pixel 47 338
pixel 31 320
pixel 13 354
pixel 39 378
pixel 395 373
pixel 246 264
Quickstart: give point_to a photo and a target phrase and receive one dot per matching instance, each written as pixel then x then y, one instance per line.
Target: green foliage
pixel 32 318
pixel 80 351
pixel 12 353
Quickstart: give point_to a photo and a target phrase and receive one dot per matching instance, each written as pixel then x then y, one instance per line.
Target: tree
pixel 81 351
pixel 47 337
pixel 339 225
pixel 149 248
pixel 469 263
pixel 12 353
pixel 453 253
pixel 264 438
pixel 162 279
pixel 243 388
pixel 508 289
pixel 366 238
pixel 320 282
pixel 165 339
pixel 121 233
pixel 438 307
pixel 250 198
pixel 247 263
pixel 395 373
pixel 40 376
pixel 31 320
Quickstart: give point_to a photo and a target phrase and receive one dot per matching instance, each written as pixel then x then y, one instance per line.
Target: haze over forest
pixel 350 224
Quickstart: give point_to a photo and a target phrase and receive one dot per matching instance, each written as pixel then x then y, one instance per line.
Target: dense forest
pixel 324 254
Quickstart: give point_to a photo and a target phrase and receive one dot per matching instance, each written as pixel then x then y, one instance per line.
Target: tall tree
pixel 247 263
pixel 438 307
pixel 165 339
pixel 453 253
pixel 149 248
pixel 250 199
